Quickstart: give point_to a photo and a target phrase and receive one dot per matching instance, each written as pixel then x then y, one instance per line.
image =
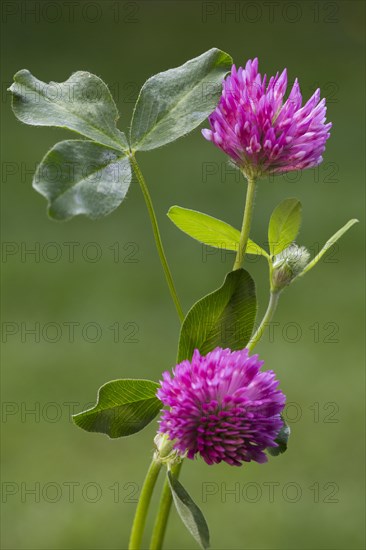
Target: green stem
pixel 162 517
pixel 273 301
pixel 143 505
pixel 152 474
pixel 158 242
pixel 247 219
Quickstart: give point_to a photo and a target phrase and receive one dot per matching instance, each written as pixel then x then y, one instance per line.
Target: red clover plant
pixel 216 403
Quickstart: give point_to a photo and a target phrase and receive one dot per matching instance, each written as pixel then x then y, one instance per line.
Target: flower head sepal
pixel 165 452
pixel 287 265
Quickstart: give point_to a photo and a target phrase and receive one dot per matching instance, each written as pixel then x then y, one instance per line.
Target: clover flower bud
pixel 287 265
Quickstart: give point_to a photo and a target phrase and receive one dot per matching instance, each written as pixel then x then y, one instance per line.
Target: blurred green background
pixel 85 485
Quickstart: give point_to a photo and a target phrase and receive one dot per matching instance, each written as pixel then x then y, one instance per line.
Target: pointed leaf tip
pixel 123 408
pixel 225 318
pixel 210 231
pixel 284 225
pixel 330 242
pixel 189 512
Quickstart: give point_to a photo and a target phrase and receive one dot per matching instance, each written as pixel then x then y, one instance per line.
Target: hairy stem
pixel 247 219
pixel 272 305
pixel 153 472
pixel 162 517
pixel 157 237
pixel 143 505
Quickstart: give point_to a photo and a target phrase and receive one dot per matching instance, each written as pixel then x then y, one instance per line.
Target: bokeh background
pixel 104 312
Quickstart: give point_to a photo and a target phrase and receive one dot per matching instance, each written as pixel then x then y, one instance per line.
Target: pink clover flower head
pixel 262 132
pixel 222 406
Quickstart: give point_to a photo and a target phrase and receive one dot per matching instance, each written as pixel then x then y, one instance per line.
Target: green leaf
pixel 223 318
pixel 210 231
pixel 330 242
pixel 123 407
pixel 82 177
pixel 254 249
pixel 173 103
pixel 82 103
pixel 284 225
pixel 189 512
pixel 281 440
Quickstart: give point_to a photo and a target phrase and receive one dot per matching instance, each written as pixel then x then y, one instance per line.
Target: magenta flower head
pixel 222 407
pixel 260 131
